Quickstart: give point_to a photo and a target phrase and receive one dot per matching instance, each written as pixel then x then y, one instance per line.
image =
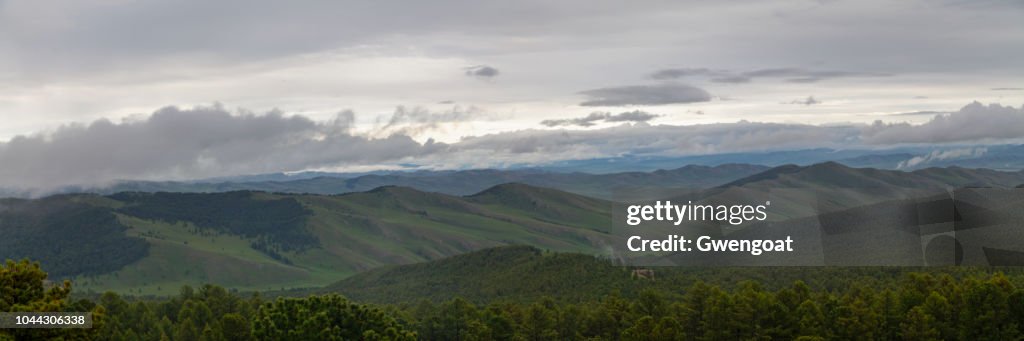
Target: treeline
pixel 280 222
pixel 70 237
pixel 526 274
pixel 923 307
pixel 918 306
pixel 209 313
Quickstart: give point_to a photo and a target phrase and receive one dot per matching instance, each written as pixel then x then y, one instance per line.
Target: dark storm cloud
pixel 792 75
pixel 658 94
pixel 600 116
pixel 481 71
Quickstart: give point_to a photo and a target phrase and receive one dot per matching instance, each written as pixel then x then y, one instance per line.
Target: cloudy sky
pixel 122 89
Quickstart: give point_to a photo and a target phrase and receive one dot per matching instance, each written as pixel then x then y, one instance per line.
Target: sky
pixel 99 91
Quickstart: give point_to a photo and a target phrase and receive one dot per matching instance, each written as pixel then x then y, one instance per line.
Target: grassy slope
pixel 178 257
pixel 357 232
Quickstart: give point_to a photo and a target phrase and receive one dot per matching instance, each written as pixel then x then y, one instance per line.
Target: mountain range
pixel 598 177
pixel 464 182
pixel 151 243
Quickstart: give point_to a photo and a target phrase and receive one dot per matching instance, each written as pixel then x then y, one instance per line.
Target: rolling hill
pixel 151 243
pixel 257 240
pixel 798 191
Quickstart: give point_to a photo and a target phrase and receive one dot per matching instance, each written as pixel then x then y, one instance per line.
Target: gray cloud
pixel 183 144
pixel 417 120
pixel 643 139
pixel 303 55
pixel 921 113
pixel 731 79
pixel 585 121
pixel 792 75
pixel 420 115
pixel 810 100
pixel 974 122
pixel 1007 89
pixel 210 141
pixel 685 72
pixel 482 71
pixel 659 94
pixel 632 116
pixel 602 116
pixel 81 36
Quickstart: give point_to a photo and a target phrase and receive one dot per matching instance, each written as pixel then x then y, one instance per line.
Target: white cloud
pixel 939 155
pixel 974 122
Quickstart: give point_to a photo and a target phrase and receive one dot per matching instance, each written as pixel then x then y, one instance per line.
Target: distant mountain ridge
pixel 807 190
pixel 839 175
pixel 463 182
pixel 592 177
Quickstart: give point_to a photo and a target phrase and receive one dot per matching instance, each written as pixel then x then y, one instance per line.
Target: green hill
pixel 152 243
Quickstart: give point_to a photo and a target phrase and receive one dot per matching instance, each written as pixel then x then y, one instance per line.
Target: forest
pixel 977 305
pixel 278 223
pixel 65 234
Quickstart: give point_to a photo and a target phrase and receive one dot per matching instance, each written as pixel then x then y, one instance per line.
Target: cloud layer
pixel 602 116
pixel 184 144
pixel 974 122
pixel 810 100
pixel 482 71
pixel 659 94
pixel 202 142
pixel 791 75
